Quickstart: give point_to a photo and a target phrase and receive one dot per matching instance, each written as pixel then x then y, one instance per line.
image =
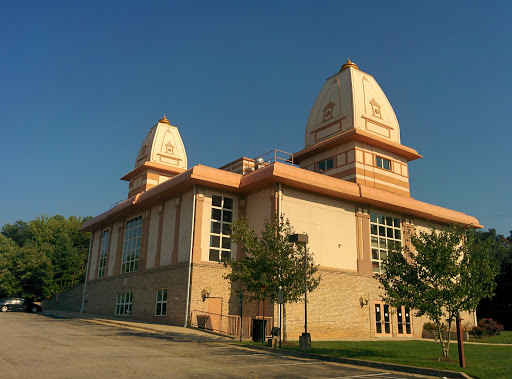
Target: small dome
pixel 163 145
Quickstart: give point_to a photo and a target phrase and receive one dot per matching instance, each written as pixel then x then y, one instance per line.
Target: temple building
pixel 157 256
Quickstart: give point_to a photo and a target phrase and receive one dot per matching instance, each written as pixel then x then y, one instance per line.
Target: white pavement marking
pixel 241 355
pixel 364 375
pixel 287 364
pixel 219 347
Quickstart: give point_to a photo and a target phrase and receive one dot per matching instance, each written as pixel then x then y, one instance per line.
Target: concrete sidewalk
pixel 136 324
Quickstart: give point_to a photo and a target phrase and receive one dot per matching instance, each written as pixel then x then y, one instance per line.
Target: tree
pixel 45 256
pixel 449 273
pixel 499 307
pixel 270 263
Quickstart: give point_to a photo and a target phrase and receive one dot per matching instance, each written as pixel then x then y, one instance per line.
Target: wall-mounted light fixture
pixel 205 293
pixel 363 300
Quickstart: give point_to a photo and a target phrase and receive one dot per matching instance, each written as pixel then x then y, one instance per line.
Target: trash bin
pixel 258 326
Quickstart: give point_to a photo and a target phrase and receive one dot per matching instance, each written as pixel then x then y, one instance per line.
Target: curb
pixel 358 362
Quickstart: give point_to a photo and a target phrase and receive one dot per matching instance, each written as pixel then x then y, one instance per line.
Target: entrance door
pixel 404 321
pixel 215 313
pixel 382 319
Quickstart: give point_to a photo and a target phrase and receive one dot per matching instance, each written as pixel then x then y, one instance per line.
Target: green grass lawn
pixel 482 361
pixel 504 337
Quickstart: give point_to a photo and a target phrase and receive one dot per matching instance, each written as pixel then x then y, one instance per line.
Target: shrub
pixel 429 326
pixel 487 327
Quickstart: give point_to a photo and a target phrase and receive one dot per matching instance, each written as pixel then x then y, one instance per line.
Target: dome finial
pixel 348 64
pixel 164 120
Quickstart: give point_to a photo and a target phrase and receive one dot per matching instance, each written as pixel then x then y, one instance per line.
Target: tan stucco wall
pixel 258 209
pixel 168 230
pixel 154 221
pixel 185 227
pixel 94 253
pixel 329 223
pixel 113 247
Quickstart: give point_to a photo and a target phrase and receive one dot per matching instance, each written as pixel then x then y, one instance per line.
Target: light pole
pixel 305 339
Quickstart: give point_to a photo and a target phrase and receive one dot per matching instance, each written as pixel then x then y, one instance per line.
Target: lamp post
pixel 305 339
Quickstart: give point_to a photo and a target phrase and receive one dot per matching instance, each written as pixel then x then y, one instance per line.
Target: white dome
pixel 163 144
pixel 351 99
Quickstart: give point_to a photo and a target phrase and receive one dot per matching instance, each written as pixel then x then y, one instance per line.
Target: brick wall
pixel 69 300
pixel 101 294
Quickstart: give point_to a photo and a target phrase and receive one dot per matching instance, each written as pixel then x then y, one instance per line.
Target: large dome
pixel 351 99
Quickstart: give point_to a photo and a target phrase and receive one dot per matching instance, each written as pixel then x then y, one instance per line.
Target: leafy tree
pixel 449 272
pixel 8 280
pixel 47 255
pixel 270 263
pixel 18 232
pixel 500 306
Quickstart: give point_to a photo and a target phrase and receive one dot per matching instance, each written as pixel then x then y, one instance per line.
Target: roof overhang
pixel 285 174
pixel 153 166
pixel 361 136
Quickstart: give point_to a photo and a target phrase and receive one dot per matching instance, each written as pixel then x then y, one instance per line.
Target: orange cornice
pixel 154 166
pixel 289 175
pixel 361 136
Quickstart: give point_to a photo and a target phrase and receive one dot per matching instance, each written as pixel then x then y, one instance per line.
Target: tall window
pixel 103 254
pixel 131 246
pixel 124 302
pixel 161 302
pixel 222 217
pixel 383 163
pixel 384 230
pixel 325 165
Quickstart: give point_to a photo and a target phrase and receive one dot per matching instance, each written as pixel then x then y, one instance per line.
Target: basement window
pixel 124 303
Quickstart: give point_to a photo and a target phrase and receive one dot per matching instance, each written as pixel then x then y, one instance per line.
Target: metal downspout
pixel 190 255
pixel 86 273
pixel 279 199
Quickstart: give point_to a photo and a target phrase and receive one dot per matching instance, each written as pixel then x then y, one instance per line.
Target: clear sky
pixel 81 83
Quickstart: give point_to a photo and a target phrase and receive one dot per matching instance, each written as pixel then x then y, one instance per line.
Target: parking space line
pixel 364 375
pixel 241 355
pixel 286 364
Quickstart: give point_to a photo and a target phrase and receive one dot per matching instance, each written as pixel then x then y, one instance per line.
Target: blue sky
pixel 81 83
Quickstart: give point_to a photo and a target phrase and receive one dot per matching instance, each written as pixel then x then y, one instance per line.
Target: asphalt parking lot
pixel 49 346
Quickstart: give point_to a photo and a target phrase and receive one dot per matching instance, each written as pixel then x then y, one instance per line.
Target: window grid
pixel 161 302
pixel 124 302
pixel 131 245
pixel 222 217
pixel 383 163
pixel 325 165
pixel 385 231
pixel 103 254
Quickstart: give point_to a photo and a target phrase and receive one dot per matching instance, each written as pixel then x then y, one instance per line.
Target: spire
pixel 164 120
pixel 348 64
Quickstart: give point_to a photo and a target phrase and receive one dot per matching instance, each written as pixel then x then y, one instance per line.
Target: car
pixel 17 304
